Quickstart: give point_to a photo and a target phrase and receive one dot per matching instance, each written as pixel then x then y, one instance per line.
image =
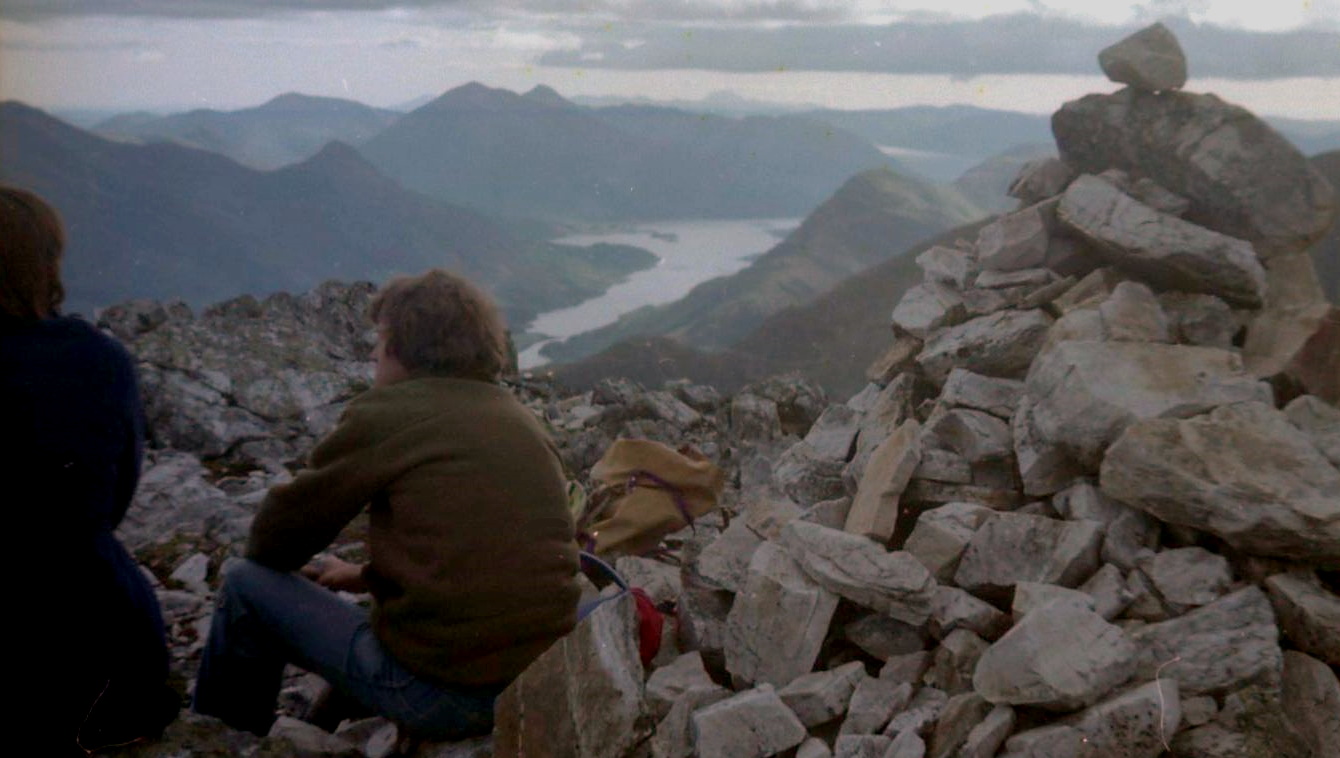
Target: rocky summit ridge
pixel 1087 505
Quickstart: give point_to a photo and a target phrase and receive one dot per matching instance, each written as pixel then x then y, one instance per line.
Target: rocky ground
pixel 1088 504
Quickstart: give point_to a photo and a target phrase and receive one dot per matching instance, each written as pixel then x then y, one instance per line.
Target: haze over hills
pixel 285 130
pixel 164 221
pixel 873 216
pixel 540 155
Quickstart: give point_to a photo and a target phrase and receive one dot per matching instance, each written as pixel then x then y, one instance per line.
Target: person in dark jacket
pixel 473 562
pixel 70 407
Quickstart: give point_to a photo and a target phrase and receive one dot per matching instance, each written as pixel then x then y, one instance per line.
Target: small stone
pixel 955 660
pixel 1308 615
pixel 928 307
pixel 946 265
pixel 882 637
pixel 1014 241
pixel 920 715
pixel 1311 702
pixel 909 667
pixel 667 683
pixel 999 397
pixel 1108 589
pixel 861 746
pixel 1040 179
pixel 986 738
pixel 954 608
pixel 1188 577
pixel 1029 596
pixel 813 748
pixel 821 696
pixel 873 703
pixel 960 716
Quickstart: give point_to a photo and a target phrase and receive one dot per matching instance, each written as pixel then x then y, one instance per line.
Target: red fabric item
pixel 650 623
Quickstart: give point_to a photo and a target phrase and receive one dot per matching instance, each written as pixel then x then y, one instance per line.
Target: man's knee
pixel 243 577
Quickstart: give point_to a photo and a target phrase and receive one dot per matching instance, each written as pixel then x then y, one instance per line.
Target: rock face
pixel 595 667
pixel 1241 177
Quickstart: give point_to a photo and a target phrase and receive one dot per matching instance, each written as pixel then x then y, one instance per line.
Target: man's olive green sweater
pixel 473 565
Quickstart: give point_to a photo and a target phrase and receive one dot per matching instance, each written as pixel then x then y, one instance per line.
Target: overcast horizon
pixel 1282 60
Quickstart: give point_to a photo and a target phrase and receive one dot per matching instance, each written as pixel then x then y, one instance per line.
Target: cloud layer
pixel 1016 44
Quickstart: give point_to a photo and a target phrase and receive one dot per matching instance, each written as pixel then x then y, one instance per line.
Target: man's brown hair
pixel 439 323
pixel 31 242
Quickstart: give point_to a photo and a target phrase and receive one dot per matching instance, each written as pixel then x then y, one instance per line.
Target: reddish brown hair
pixel 439 323
pixel 31 242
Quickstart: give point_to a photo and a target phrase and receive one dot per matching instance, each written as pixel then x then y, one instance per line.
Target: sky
pixel 1279 58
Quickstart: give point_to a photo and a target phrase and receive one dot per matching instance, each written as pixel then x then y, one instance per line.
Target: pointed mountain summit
pixel 547 95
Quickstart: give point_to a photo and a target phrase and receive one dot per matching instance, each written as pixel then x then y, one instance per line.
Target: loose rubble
pixel 1089 504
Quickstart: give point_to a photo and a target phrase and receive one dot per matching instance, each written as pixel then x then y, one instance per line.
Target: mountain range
pixel 539 155
pixel 287 129
pixel 873 216
pixel 167 221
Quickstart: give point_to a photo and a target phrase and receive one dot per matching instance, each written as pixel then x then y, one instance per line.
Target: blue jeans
pixel 266 619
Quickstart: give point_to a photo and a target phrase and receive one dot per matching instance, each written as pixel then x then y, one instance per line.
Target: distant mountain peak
pixel 546 95
pixel 472 95
pixel 296 101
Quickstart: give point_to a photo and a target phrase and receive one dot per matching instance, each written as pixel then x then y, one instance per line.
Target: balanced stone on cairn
pixel 1150 60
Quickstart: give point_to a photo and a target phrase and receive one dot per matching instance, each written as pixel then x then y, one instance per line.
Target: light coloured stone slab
pixel 1059 657
pixel 1242 473
pixel 760 650
pixel 751 724
pixel 874 509
pixel 862 571
pixel 1219 647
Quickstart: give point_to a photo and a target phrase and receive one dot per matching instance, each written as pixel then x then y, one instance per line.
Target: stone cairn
pixel 1088 505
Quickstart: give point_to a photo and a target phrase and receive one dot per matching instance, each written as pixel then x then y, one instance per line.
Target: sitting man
pixel 472 561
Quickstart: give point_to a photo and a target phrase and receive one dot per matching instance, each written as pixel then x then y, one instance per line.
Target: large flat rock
pixel 1241 177
pixel 1059 657
pixel 1085 393
pixel 1218 648
pixel 1241 472
pixel 862 571
pixel 1162 249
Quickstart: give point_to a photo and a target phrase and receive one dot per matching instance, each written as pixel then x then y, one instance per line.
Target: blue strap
pixel 590 561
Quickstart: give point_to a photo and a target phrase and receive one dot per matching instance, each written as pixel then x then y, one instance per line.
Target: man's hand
pixel 336 574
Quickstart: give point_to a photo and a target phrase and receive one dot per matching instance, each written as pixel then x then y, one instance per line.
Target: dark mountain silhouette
pixel 541 155
pixel 872 216
pixel 285 130
pixel 1326 251
pixel 164 221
